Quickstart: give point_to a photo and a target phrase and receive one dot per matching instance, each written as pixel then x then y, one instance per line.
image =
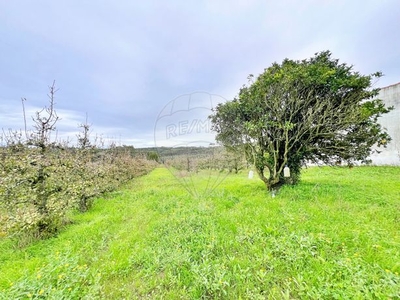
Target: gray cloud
pixel 122 62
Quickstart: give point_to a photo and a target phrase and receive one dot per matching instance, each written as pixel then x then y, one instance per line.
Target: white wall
pixel 391 121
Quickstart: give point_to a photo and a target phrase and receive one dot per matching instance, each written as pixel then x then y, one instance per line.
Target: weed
pixel 334 236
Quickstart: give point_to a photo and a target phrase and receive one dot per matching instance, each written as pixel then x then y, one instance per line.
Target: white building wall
pixel 391 121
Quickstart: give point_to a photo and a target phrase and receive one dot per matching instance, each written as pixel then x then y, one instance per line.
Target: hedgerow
pixel 41 180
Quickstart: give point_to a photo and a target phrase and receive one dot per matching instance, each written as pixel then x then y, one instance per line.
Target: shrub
pixel 42 180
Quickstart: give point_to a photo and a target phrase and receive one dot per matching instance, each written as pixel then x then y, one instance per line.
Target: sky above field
pixel 123 62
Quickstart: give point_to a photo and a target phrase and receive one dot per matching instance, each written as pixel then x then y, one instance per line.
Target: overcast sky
pixel 122 62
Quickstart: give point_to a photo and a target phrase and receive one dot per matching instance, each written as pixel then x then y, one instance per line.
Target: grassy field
pixel 334 236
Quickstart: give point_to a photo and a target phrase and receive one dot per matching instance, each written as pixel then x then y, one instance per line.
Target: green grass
pixel 334 236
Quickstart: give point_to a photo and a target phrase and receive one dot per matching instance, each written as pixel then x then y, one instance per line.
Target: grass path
pixel 334 236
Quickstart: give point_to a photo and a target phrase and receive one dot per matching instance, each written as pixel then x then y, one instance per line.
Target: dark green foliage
pixel 315 110
pixel 153 155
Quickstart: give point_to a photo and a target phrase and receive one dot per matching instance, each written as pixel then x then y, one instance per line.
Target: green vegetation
pixel 42 180
pixel 38 190
pixel 295 112
pixel 333 236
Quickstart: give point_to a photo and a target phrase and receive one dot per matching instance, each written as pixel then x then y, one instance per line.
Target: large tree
pixel 314 110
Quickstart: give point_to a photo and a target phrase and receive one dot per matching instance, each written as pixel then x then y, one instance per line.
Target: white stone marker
pixel 251 174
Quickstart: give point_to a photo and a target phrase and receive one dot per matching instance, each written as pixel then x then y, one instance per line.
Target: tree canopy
pixel 314 110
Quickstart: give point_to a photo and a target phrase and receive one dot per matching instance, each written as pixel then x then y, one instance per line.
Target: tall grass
pixel 334 236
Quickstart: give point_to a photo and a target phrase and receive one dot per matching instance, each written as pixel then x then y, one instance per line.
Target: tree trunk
pixel 275 184
pixel 260 173
pixel 271 183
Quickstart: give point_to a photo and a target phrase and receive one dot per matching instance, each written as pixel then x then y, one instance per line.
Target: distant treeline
pixel 167 152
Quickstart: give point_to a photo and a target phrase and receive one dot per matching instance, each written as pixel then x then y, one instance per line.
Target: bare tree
pixel 83 137
pixel 45 122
